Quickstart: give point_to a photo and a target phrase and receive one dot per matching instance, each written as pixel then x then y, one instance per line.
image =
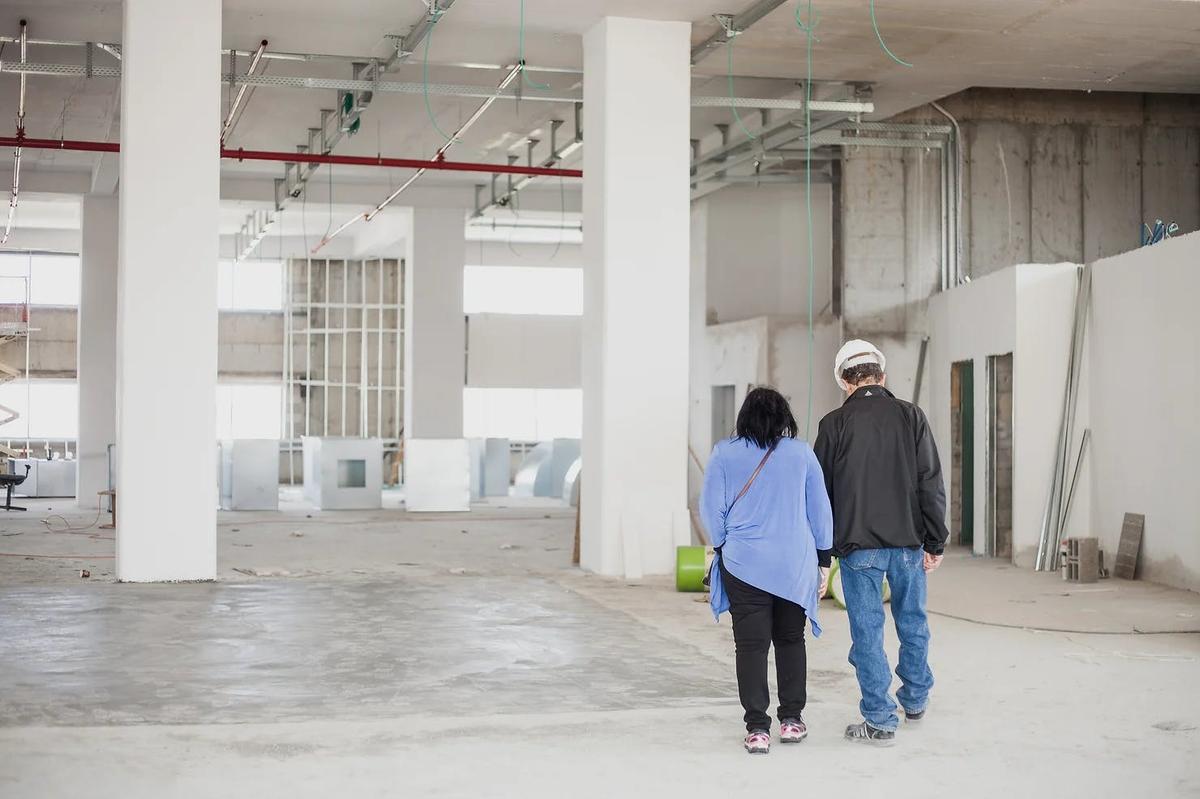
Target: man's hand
pixel 824 586
pixel 932 562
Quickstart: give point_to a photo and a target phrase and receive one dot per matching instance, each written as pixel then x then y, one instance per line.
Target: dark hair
pixel 765 418
pixel 856 375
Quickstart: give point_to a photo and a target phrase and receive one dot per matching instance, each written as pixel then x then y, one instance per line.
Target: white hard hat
pixel 855 353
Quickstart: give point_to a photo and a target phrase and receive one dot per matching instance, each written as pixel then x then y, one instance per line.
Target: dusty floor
pixel 401 654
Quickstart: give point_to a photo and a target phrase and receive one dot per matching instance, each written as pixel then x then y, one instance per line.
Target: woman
pixel 767 513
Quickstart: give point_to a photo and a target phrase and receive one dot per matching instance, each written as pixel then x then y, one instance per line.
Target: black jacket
pixel 883 475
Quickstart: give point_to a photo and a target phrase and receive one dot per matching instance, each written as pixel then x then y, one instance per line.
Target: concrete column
pixel 636 295
pixel 97 346
pixel 436 460
pixel 167 292
pixel 434 330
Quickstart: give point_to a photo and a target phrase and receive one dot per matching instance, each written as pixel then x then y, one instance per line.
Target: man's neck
pixel 850 391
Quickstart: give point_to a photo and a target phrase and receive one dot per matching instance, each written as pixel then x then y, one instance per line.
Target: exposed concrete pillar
pixel 434 330
pixel 436 471
pixel 636 295
pixel 167 293
pixel 97 346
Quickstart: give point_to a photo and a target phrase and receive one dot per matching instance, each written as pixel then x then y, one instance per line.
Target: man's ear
pixel 883 380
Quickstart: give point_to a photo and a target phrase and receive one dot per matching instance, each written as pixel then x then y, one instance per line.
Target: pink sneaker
pixel 792 731
pixel 758 742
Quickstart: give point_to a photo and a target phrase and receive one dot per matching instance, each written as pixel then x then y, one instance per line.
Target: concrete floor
pixel 461 656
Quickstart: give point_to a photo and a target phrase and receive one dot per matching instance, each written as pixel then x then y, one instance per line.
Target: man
pixel 885 485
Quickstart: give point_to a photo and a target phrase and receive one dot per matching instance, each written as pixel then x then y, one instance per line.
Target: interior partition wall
pixel 343 368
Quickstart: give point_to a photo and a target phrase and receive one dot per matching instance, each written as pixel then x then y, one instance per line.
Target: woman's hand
pixel 824 586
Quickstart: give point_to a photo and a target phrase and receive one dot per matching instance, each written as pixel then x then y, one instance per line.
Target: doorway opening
pixel 1000 456
pixel 723 398
pixel 962 458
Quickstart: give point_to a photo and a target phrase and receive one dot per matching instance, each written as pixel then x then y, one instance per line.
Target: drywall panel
pixel 1144 379
pixel 789 370
pixel 515 351
pixel 1045 302
pixel 738 355
pixel 998 158
pixel 969 322
pixel 1112 203
pixel 1056 194
pixel 1171 177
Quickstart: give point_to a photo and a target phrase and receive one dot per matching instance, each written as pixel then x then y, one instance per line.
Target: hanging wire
pixel 882 43
pixel 435 14
pixel 521 55
pixel 729 72
pixel 807 26
pixel 329 224
pixel 562 217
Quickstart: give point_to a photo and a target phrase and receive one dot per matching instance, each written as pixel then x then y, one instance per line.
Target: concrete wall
pixel 250 342
pixel 1069 176
pixel 1144 381
pixel 756 251
pixel 1049 176
pixel 52 343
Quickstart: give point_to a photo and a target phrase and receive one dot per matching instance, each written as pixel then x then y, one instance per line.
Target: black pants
pixel 760 619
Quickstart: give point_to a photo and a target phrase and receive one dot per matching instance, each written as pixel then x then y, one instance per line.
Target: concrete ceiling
pixel 952 44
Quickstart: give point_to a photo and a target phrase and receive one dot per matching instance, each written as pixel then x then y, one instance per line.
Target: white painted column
pixel 167 291
pixel 636 296
pixel 97 352
pixel 436 471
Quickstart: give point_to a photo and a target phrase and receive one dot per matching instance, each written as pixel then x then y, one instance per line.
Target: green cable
pixel 883 44
pixel 807 26
pixel 521 55
pixel 733 107
pixel 435 16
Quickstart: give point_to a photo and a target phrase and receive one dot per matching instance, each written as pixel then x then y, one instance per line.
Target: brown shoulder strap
pixel 750 482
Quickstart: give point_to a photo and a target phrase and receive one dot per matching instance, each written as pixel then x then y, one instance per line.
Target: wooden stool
pixel 110 493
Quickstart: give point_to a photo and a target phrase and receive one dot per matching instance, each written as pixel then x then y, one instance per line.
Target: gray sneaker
pixel 865 733
pixel 914 716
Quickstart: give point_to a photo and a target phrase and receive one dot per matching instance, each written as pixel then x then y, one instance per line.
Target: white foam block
pixel 437 474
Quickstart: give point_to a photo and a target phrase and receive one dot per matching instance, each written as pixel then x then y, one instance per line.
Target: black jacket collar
pixel 870 391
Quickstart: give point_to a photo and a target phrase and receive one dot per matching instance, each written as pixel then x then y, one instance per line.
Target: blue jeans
pixel 862 573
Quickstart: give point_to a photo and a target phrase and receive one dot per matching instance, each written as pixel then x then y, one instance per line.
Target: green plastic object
pixel 690 569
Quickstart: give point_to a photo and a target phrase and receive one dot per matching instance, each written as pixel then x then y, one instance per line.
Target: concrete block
pixel 437 474
pixel 344 473
pixel 250 474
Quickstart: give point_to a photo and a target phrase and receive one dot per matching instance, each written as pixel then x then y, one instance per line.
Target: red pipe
pixel 307 158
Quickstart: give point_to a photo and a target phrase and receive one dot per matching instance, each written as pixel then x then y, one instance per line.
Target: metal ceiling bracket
pixel 727 25
pixel 733 26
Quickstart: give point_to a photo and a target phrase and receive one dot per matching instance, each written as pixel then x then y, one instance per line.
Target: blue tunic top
pixel 771 536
